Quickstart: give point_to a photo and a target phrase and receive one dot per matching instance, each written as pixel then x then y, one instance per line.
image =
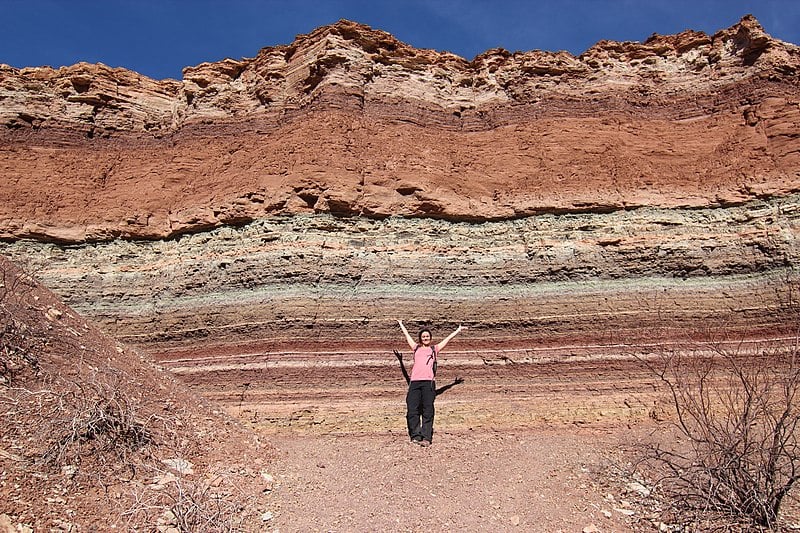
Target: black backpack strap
pixel 434 357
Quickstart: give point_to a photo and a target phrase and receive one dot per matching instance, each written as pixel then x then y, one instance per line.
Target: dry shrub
pixel 174 501
pixel 17 351
pixel 92 429
pixel 736 407
pixel 94 419
pixel 18 343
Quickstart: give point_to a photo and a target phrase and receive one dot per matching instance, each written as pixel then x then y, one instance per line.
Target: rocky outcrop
pixel 287 320
pixel 349 61
pixel 349 121
pixel 327 283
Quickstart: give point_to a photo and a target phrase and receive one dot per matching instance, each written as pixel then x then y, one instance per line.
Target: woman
pixel 422 387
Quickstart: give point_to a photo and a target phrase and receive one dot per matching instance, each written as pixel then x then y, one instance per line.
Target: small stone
pixel 182 466
pixel 160 482
pixel 515 520
pixel 266 517
pixel 64 525
pixel 166 521
pixel 591 528
pixel 5 523
pixel 269 481
pixel 638 488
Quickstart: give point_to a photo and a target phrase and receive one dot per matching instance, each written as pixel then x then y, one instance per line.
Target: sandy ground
pixel 544 480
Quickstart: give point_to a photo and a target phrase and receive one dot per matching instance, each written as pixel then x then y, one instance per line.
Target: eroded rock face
pixel 320 280
pixel 266 220
pixel 299 313
pixel 347 120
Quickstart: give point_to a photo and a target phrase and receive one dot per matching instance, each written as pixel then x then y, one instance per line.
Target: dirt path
pixel 546 480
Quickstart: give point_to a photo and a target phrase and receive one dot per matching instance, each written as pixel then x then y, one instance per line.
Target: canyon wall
pixel 259 225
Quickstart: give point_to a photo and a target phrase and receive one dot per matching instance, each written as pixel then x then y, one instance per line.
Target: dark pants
pixel 419 402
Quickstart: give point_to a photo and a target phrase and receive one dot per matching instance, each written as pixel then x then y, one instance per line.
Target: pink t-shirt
pixel 423 363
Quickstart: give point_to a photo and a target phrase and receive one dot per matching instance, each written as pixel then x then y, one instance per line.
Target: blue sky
pixel 160 37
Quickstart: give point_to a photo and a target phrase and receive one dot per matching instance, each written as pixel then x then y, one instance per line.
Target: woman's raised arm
pixel 411 343
pixel 447 339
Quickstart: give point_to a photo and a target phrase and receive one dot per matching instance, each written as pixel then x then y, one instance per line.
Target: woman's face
pixel 425 338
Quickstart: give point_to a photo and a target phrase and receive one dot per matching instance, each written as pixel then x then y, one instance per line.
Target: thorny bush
pixel 737 408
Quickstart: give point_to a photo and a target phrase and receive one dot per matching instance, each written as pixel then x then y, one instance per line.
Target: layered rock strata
pixel 288 320
pixel 350 121
pixel 327 273
pixel 260 224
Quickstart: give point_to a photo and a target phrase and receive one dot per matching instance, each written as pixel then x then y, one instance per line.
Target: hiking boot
pixel 424 443
pixel 416 440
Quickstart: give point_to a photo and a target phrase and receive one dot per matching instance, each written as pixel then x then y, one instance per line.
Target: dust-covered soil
pixel 546 480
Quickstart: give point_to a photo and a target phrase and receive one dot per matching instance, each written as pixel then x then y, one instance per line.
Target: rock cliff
pixel 266 219
pixel 347 120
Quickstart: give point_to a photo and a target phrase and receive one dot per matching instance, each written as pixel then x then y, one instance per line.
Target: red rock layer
pixel 291 322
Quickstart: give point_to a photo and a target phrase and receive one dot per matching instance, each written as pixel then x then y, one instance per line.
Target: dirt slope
pixel 94 436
